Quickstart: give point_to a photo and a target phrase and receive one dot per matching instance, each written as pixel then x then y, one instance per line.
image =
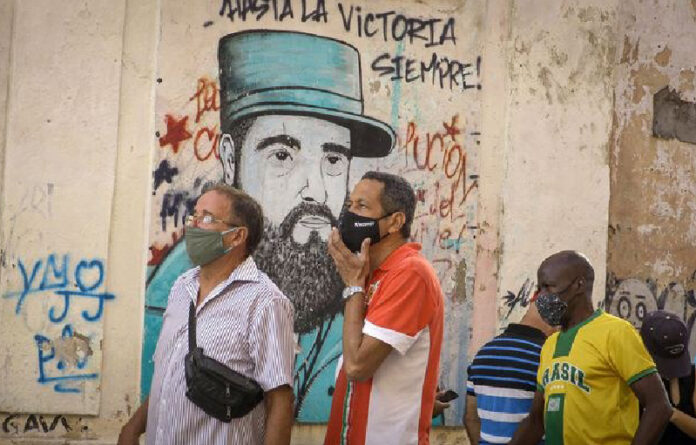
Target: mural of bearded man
pixel 291 114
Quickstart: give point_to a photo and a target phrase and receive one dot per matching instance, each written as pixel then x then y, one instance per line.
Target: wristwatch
pixel 352 290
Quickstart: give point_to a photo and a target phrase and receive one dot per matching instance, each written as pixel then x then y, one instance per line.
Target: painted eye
pixel 281 155
pixel 334 164
pixel 640 311
pixel 281 160
pixel 624 308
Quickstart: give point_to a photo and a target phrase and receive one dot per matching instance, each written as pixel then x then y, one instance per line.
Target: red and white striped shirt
pixel 246 323
pixel 405 310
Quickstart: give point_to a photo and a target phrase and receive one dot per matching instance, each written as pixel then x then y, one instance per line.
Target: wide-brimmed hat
pixel 282 72
pixel 667 339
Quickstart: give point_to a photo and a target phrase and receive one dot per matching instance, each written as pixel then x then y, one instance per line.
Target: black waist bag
pixel 213 387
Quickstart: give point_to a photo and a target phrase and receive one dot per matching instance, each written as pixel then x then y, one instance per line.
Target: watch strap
pixel 352 290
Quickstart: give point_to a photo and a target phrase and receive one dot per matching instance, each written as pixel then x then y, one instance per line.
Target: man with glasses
pixel 242 320
pixel 292 120
pixel 594 372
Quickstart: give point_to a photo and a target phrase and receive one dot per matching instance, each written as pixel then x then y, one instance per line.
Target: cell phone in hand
pixel 448 396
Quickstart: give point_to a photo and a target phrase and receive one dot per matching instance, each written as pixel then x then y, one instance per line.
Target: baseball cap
pixel 666 338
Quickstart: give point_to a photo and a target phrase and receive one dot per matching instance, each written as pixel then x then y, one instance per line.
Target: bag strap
pixel 192 327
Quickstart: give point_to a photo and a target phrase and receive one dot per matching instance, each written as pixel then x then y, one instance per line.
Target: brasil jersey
pixel 585 374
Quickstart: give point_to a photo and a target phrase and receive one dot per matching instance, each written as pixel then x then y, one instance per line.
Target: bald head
pixel 569 263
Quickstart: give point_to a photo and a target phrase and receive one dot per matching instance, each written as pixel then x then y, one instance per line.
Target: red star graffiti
pixel 176 132
pixel 451 129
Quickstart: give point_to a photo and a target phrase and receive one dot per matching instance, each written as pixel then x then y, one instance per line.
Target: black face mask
pixel 354 229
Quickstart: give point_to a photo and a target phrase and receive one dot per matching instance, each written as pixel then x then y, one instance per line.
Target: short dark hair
pixel 245 212
pixel 397 196
pixel 238 131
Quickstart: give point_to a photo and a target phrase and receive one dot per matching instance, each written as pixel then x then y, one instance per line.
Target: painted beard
pixel 304 272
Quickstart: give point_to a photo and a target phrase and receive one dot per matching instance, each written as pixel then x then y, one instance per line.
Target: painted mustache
pixel 311 214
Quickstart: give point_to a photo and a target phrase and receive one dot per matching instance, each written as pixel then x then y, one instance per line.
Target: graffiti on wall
pixel 12 424
pixel 285 119
pixel 633 298
pixel 73 296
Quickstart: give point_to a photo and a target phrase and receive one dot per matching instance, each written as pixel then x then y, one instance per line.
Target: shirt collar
pixel 245 271
pixel 399 254
pixel 524 331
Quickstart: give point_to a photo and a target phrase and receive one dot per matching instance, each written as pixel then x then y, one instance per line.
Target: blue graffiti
pixel 61 382
pixel 55 278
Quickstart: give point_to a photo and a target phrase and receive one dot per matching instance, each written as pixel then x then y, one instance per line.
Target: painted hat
pixel 282 72
pixel 667 339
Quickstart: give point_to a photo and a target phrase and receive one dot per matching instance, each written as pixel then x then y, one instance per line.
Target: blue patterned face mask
pixel 551 308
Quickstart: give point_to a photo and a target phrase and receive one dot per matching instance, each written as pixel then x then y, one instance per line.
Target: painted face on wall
pixel 297 168
pixel 632 300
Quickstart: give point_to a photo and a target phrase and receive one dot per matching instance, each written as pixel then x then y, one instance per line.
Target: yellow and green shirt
pixel 585 373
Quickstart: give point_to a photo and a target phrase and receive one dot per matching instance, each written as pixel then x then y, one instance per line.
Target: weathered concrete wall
pixel 60 147
pixel 652 213
pixel 556 188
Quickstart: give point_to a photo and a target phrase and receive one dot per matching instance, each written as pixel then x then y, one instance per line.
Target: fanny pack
pixel 213 387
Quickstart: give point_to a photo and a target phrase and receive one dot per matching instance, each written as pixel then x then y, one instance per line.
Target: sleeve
pixel 272 344
pixel 543 362
pixel 628 355
pixel 469 383
pixel 400 311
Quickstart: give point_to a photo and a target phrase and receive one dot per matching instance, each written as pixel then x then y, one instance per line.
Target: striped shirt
pixel 502 377
pixel 245 323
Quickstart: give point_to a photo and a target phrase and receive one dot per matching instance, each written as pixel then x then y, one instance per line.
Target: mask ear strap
pixel 229 231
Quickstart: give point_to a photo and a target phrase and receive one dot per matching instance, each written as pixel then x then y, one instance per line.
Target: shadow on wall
pixel 633 298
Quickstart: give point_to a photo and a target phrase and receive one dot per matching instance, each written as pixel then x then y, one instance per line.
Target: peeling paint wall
pixel 652 212
pixel 556 187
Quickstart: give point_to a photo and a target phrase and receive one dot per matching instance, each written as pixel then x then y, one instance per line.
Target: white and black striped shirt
pixel 246 323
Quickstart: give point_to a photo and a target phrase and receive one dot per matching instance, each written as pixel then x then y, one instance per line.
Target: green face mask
pixel 204 246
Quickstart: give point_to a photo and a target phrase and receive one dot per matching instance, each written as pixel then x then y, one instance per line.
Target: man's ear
pixel 243 235
pixel 228 158
pixel 398 221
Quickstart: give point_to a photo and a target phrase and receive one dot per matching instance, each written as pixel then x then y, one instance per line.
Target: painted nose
pixel 314 189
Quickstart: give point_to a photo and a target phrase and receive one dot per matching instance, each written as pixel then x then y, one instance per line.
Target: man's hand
pixel 352 268
pixel 439 407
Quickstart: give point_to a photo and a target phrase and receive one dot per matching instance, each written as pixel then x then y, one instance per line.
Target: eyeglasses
pixel 204 219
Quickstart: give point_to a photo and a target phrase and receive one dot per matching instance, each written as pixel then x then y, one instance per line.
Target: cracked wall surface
pixel 652 212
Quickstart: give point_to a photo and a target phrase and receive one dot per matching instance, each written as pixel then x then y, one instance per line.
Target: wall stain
pixel 686 81
pixel 646 76
pixel 673 117
pixel 662 58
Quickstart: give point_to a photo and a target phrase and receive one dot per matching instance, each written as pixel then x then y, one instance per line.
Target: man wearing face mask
pixel 242 321
pixel 594 372
pixel 393 317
